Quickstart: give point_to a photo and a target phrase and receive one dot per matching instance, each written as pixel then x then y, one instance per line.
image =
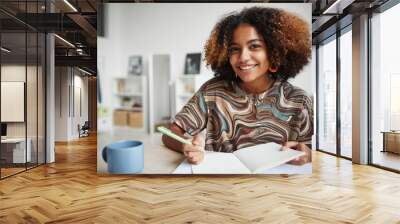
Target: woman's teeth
pixel 246 67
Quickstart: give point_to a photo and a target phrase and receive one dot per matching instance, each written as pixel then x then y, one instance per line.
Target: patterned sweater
pixel 234 119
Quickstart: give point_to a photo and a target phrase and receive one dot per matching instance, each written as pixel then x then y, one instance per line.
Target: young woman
pixel 253 53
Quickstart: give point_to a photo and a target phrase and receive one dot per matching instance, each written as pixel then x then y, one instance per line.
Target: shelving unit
pixel 130 101
pixel 186 87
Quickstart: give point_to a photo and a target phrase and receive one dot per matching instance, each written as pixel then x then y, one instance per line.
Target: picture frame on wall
pixel 135 65
pixel 192 63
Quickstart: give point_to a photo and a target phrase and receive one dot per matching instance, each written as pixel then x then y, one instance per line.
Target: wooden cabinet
pixel 135 119
pixel 120 117
pixel 391 142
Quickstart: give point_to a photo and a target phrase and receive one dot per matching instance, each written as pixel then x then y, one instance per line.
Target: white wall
pixel 85 98
pixel 176 29
pixel 61 104
pixel 17 73
pixel 80 83
pixel 66 121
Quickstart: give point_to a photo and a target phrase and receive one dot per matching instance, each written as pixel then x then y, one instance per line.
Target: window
pixel 385 89
pixel 327 96
pixel 346 93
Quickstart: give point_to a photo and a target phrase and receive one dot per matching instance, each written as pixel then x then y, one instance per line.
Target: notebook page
pixel 183 168
pixel 265 156
pixel 220 163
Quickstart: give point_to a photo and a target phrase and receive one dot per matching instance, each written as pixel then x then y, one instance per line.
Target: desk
pixel 16 147
pixel 158 159
pixel 391 141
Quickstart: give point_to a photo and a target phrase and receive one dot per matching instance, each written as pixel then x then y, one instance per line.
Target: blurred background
pixel 164 44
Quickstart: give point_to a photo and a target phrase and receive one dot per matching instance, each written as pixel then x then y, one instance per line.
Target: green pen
pixel 169 133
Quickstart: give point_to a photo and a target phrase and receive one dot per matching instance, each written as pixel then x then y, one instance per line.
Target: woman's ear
pixel 273 69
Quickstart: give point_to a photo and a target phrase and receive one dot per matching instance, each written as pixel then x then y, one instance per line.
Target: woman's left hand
pixel 300 147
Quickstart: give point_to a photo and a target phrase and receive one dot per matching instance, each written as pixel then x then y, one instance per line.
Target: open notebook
pixel 254 159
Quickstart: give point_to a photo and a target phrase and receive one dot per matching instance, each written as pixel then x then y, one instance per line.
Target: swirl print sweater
pixel 234 119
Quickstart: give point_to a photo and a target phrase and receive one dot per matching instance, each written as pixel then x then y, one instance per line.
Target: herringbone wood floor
pixel 70 191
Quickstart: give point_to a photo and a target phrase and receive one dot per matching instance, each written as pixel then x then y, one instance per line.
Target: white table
pixel 158 159
pixel 18 150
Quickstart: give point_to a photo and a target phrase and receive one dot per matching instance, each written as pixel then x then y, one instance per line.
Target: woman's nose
pixel 244 55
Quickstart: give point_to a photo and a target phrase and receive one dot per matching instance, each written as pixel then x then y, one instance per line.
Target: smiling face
pixel 248 55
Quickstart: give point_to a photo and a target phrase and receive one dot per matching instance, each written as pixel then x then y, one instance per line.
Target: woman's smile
pixel 247 67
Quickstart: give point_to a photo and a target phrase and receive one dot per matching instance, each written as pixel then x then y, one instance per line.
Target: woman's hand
pixel 300 147
pixel 195 152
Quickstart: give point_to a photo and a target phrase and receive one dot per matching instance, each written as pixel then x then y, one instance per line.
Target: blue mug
pixel 124 157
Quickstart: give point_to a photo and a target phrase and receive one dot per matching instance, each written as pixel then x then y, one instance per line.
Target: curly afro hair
pixel 286 36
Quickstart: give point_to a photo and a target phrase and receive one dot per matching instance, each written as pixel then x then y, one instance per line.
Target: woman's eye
pixel 234 49
pixel 255 46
